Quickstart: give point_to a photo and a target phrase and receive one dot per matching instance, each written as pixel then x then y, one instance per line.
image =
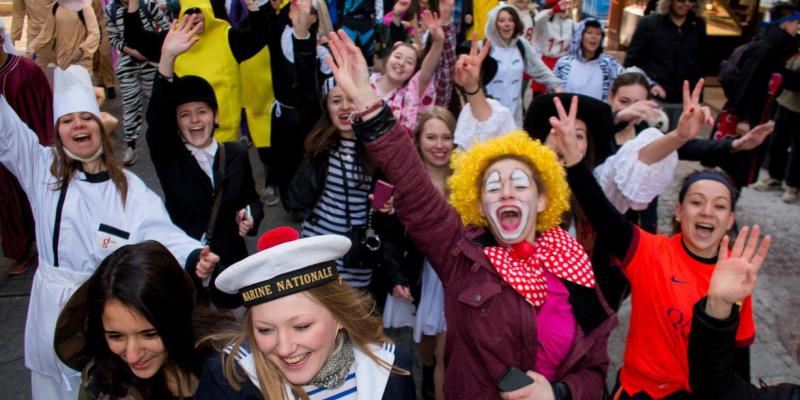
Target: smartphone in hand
pixel 513 380
pixel 382 194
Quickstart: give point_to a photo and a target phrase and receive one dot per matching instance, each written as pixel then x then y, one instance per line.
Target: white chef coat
pixel 93 224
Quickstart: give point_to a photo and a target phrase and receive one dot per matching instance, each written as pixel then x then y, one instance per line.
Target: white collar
pixel 209 150
pixel 371 377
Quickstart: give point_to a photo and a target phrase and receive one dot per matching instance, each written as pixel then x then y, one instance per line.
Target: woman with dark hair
pixel 511 56
pixel 85 207
pixel 208 185
pixel 667 274
pixel 129 328
pixel 587 69
pixel 330 190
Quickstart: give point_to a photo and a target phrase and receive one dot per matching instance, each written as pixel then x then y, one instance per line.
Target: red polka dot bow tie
pixel 523 266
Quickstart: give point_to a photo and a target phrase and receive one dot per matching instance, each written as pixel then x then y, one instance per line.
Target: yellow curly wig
pixel 469 166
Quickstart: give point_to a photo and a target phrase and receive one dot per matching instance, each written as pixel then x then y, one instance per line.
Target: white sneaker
pixel 129 157
pixel 767 184
pixel 271 196
pixel 790 195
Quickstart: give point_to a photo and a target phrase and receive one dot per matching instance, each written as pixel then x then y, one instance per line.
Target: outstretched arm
pixel 604 218
pixel 712 338
pixel 431 60
pixel 435 226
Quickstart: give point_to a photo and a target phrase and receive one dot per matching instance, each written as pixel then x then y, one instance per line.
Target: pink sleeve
pixel 387 19
pixel 413 104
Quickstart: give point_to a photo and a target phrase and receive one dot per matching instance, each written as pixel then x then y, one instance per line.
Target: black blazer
pixel 188 194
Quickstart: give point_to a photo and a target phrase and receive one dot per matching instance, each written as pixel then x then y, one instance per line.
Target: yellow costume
pixel 480 14
pixel 257 96
pixel 211 58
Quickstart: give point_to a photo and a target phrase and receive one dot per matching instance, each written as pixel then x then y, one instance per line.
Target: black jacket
pixel 711 362
pixel 188 194
pixel 766 56
pixel 668 53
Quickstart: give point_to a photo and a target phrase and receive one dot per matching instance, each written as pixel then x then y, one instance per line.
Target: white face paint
pixel 509 197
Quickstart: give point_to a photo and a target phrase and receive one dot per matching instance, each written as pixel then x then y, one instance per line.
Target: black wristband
pixel 376 126
pixel 561 391
pixel 472 93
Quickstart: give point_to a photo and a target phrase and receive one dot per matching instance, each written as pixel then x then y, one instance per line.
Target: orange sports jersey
pixel 666 282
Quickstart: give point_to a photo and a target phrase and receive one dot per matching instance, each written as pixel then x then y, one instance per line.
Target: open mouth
pixel 704 230
pixel 344 118
pixel 296 362
pixel 81 138
pixel 509 217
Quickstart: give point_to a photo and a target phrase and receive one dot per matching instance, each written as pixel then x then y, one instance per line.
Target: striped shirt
pixel 346 391
pixel 343 204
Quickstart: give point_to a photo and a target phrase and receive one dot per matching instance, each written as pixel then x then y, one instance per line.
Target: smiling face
pixel 705 215
pixel 340 108
pixel 134 339
pixel 80 133
pixel 401 63
pixel 436 143
pixel 626 96
pixel 581 133
pixel 296 333
pixel 592 37
pixel 505 25
pixel 196 123
pixel 510 201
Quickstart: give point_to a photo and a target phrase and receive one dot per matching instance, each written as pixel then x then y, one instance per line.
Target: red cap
pixel 276 236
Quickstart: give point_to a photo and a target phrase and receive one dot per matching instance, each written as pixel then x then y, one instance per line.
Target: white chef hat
pixel 8 44
pixel 73 92
pixel 285 268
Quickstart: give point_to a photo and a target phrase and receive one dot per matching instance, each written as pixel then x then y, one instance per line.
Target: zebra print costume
pixel 135 77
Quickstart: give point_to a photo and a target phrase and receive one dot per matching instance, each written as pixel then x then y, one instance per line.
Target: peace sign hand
pixel 565 133
pixel 468 67
pixel 694 115
pixel 735 275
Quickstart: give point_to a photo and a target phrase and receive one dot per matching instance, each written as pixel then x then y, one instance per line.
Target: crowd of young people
pixel 426 192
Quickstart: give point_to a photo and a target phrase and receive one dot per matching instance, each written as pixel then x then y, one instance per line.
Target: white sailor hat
pixel 284 269
pixel 73 92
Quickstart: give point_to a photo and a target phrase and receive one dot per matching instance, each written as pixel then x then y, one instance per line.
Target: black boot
pixel 428 388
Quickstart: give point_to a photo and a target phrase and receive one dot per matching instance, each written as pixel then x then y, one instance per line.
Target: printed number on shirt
pixel 552 42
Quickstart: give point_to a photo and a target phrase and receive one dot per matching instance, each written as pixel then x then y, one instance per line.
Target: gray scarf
pixel 335 370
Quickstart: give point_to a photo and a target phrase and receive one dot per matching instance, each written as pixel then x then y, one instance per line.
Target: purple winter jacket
pixel 490 327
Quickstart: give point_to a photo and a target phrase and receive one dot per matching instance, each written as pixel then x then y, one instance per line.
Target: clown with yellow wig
pixel 525 318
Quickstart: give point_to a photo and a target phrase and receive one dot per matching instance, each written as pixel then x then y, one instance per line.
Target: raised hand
pixel 754 137
pixel 181 37
pixel 637 112
pixel 564 132
pixel 694 115
pixel 735 275
pixel 206 264
pixel 301 18
pixel 400 7
pixel 468 67
pixel 350 70
pixel 658 91
pixel 432 22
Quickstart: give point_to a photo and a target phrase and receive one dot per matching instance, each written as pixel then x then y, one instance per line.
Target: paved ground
pixel 776 302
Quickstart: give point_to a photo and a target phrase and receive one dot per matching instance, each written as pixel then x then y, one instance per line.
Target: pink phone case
pixel 383 191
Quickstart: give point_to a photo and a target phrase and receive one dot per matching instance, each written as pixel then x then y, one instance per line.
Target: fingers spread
pixel 738 246
pixel 723 248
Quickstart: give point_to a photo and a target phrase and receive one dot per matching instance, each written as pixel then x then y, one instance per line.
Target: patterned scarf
pixel 523 266
pixel 335 370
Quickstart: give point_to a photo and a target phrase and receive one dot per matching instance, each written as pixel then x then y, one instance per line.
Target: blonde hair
pixel 469 167
pixel 323 18
pixel 352 309
pixel 435 112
